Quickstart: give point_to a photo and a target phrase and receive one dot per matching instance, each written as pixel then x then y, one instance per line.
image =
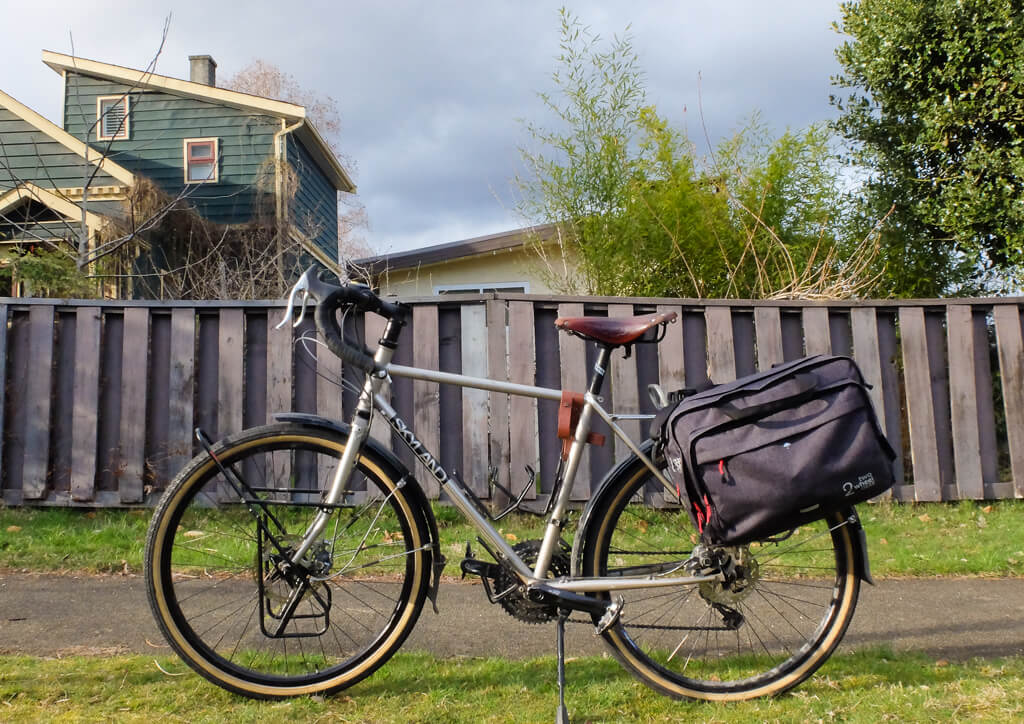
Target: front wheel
pixel 231 601
pixel 764 633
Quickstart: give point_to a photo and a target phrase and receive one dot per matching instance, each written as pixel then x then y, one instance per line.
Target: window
pixel 485 288
pixel 200 160
pixel 112 114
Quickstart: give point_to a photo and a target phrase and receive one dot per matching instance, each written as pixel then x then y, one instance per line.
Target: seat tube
pixel 563 494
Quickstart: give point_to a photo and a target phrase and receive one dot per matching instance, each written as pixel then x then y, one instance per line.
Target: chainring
pixel 517 605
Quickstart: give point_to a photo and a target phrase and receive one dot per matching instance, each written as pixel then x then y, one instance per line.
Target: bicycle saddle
pixel 613 330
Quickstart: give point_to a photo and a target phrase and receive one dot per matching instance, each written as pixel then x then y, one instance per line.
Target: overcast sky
pixel 431 94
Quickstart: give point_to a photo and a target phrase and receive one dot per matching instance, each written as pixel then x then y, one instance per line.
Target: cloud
pixel 430 93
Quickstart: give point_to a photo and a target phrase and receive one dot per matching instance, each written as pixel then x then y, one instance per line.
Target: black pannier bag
pixel 772 451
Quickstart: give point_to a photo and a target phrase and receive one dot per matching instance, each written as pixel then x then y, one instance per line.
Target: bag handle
pixel 807 385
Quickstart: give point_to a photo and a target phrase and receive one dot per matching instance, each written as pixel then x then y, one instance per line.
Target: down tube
pixel 453 488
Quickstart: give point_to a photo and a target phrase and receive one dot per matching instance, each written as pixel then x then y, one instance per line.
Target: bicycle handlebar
pixel 331 297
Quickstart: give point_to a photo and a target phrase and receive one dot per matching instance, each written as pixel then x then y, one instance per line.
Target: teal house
pixel 231 157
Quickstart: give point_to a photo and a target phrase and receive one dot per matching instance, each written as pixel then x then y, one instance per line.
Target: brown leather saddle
pixel 614 331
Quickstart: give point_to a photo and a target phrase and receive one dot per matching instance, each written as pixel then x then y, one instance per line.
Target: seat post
pixel 604 356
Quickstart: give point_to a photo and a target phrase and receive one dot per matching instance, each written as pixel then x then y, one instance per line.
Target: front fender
pixel 396 468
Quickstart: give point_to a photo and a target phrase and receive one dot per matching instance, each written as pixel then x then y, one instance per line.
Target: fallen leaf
pixel 511 536
pixel 642 525
pixel 925 518
pixel 193 533
pixel 987 509
pixel 941 662
pixel 883 541
pixel 13 528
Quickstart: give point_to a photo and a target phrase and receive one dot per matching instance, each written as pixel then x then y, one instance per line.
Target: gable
pixel 30 213
pixel 136 80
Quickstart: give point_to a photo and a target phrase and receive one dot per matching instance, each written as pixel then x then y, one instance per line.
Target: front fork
pixel 360 431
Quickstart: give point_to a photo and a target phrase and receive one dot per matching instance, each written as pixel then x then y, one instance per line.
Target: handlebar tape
pixel 330 298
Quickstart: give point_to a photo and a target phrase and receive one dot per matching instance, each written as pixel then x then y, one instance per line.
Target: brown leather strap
pixel 568 418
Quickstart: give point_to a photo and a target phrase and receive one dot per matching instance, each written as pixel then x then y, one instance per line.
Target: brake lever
pixel 301 287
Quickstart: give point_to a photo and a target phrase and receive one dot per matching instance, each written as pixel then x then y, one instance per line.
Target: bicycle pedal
pixel 611 616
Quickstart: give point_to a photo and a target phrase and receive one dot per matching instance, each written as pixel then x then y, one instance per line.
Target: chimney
pixel 203 69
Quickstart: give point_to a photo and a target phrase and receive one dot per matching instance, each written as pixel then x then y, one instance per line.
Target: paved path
pixel 955 619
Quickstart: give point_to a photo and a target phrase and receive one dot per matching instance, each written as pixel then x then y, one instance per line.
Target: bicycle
pixel 295 558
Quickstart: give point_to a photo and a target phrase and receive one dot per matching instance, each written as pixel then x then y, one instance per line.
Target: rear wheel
pixel 781 617
pixel 229 602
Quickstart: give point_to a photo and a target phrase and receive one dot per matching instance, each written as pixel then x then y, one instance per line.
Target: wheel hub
pixel 741 576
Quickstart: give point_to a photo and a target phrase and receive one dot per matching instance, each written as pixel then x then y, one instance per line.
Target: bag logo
pixel 863 483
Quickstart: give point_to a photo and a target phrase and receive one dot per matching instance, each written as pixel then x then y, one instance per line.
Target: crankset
pixel 503 587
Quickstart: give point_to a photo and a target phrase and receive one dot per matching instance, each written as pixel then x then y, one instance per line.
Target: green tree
pixel 644 216
pixel 935 110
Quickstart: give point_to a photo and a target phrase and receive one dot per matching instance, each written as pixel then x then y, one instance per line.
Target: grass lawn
pixel 862 687
pixel 935 539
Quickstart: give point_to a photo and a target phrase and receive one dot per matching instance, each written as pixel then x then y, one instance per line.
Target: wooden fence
pixel 101 398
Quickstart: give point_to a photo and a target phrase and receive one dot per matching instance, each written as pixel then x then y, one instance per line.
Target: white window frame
pixel 125 133
pixel 216 160
pixel 476 288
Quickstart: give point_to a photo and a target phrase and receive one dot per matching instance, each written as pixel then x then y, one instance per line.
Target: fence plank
pixel 625 393
pixel 572 355
pixel 524 448
pixel 426 395
pixel 721 355
pixel 865 351
pixel 1011 366
pixel 182 386
pixel 671 365
pixel 474 402
pixel 920 406
pixel 964 402
pixel 37 425
pixel 328 383
pixel 497 365
pixel 985 400
pixel 88 328
pixel 134 375
pixel 817 333
pixel 280 353
pixel 230 347
pixel 768 331
pixel 864 323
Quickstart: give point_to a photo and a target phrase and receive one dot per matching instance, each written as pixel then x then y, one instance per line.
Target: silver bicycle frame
pixel 370 399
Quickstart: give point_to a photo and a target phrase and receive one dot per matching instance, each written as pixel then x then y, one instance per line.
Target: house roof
pixel 290 112
pixel 64 138
pixel 452 250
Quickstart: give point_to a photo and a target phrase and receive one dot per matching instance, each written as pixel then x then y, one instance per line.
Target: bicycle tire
pixel 796 602
pixel 215 586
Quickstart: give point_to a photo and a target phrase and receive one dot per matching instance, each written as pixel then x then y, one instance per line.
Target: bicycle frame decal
pixel 418 449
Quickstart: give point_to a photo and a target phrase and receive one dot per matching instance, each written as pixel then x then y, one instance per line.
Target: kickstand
pixel 563 715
